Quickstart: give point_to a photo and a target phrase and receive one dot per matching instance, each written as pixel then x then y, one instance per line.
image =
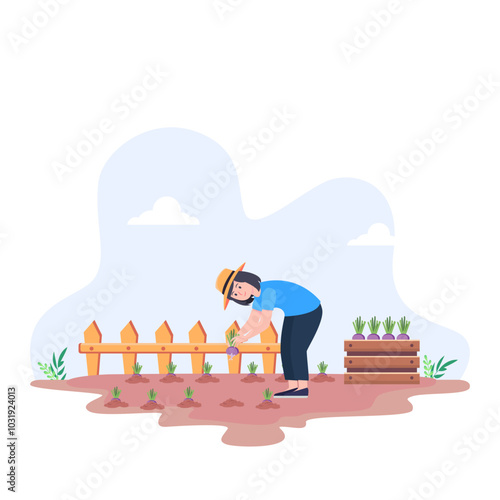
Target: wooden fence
pixel 164 347
pixel 382 361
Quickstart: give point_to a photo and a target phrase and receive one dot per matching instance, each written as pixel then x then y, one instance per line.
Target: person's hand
pixel 239 340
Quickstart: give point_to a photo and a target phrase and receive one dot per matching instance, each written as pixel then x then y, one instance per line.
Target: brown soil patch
pixel 206 379
pixel 249 379
pixel 228 403
pixel 281 378
pixel 323 377
pixel 168 379
pixel 116 403
pixel 152 405
pixel 189 403
pixel 266 405
pixel 137 379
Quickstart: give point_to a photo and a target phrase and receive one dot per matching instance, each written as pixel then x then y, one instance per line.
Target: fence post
pixel 234 364
pixel 269 336
pixel 163 336
pixel 129 335
pixel 92 335
pixel 197 335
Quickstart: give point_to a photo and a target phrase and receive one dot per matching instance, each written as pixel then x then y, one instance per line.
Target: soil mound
pixel 281 378
pixel 116 403
pixel 267 405
pixel 168 379
pixel 228 403
pixel 323 377
pixel 137 379
pixel 252 378
pixel 152 405
pixel 189 403
pixel 206 379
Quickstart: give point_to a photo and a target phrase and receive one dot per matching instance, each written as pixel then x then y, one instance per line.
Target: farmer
pixel 302 318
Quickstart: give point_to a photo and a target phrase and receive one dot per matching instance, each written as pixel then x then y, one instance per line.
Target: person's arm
pixel 256 324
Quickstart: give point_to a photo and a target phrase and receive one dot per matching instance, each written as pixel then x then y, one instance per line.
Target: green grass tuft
pixel 54 370
pixel 268 394
pixel 322 367
pixel 359 325
pixel 252 367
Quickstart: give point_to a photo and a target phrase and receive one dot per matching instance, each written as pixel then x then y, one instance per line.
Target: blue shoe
pixel 292 393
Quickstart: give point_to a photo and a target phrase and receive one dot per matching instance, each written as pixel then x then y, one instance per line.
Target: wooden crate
pixel 382 362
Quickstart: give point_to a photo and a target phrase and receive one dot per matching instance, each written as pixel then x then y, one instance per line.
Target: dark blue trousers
pixel 296 336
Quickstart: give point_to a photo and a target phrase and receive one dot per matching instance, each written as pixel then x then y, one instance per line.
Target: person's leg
pixel 286 353
pixel 302 334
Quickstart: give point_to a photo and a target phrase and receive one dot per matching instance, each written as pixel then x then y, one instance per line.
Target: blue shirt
pixel 291 298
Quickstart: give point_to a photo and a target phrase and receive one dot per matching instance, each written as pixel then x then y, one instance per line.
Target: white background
pixel 227 73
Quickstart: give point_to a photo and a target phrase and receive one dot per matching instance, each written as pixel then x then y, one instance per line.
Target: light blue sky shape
pixel 174 267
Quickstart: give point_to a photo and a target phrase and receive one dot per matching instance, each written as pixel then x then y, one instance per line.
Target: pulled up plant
pixel 171 369
pixel 373 325
pixel 152 395
pixel 207 368
pixel 403 325
pixel 322 368
pixel 359 326
pixel 433 371
pixel 231 351
pixel 252 368
pixel 136 368
pixel 115 392
pixel 189 394
pixel 55 369
pixel 268 394
pixel 389 325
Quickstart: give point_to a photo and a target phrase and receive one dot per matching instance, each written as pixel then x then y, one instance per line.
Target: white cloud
pixel 166 212
pixel 377 235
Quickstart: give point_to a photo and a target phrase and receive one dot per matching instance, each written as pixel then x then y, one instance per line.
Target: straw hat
pixel 225 280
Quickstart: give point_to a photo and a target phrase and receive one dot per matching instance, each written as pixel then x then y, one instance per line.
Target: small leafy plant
pixel 403 325
pixel 136 368
pixel 171 368
pixel 389 325
pixel 433 371
pixel 189 394
pixel 231 351
pixel 268 394
pixel 373 325
pixel 359 326
pixel 207 368
pixel 55 369
pixel 252 368
pixel 322 367
pixel 152 395
pixel 115 392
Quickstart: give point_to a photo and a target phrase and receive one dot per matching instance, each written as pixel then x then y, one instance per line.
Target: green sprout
pixel 322 367
pixel 152 394
pixel 268 394
pixel 374 325
pixel 230 337
pixel 136 368
pixel 433 371
pixel 252 368
pixel 55 369
pixel 207 368
pixel 389 325
pixel 359 325
pixel 171 368
pixel 115 392
pixel 404 325
pixel 189 393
